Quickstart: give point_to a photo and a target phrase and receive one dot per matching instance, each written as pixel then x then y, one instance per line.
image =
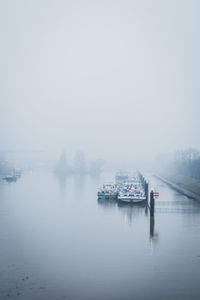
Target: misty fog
pixel 99 149
pixel 118 80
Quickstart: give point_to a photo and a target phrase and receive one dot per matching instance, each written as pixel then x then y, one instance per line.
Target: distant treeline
pixel 187 162
pixel 79 165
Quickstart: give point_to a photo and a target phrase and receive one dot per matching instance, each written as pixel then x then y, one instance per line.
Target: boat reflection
pixel 107 204
pixel 131 210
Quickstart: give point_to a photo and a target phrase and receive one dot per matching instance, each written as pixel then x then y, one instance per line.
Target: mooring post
pixel 147 190
pixel 147 197
pixel 151 204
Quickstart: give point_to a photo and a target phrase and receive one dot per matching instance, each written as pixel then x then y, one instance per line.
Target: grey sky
pixel 112 78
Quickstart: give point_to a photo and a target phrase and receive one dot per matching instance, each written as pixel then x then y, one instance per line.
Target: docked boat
pixel 127 189
pixel 131 194
pixel 10 178
pixel 121 177
pixel 108 191
pixel 15 174
pixel 131 198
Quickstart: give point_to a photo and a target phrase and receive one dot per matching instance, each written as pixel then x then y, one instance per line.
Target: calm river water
pixel 59 242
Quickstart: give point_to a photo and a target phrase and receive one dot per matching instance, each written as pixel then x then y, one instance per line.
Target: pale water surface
pixel 59 242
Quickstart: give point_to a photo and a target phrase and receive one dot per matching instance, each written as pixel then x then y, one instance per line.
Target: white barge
pixel 131 198
pixel 108 191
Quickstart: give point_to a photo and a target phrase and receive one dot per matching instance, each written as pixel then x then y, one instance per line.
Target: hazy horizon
pixel 115 79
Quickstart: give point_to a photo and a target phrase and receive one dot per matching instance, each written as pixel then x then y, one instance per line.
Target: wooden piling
pixel 152 204
pixel 146 190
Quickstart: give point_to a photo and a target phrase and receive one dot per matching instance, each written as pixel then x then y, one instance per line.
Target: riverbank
pixel 189 187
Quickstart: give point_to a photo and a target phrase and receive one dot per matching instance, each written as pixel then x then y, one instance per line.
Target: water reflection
pixel 107 204
pixel 79 181
pixel 130 211
pixel 62 180
pixel 152 224
pixel 152 234
pixel 72 248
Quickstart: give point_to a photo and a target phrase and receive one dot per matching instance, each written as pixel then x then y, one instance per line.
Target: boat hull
pixel 10 178
pixel 129 199
pixel 106 196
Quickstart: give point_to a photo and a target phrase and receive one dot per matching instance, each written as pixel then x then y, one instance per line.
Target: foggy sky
pixel 112 78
